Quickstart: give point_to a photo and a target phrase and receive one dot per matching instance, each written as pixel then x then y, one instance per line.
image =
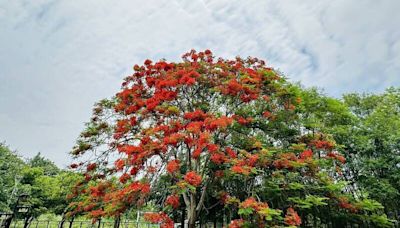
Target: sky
pixel 58 57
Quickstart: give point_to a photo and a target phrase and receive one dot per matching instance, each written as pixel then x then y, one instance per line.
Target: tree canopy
pixel 46 185
pixel 207 133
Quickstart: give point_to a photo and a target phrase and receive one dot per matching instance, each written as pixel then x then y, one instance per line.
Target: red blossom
pixel 218 123
pixel 336 156
pixel 147 62
pixel 321 144
pixel 119 164
pixel 196 153
pixel 245 170
pixel 237 223
pixel 193 178
pixel 160 218
pixel 173 201
pixel 97 213
pixel 212 148
pixel 306 154
pixel 292 218
pixel 91 167
pixel 344 203
pixel 252 159
pixel 124 178
pixel 267 114
pixel 173 166
pixel 134 171
pixel 231 153
pixel 195 115
pixel 218 158
pixel 241 120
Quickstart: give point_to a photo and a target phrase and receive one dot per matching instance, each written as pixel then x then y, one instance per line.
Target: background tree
pixel 49 168
pixel 365 127
pixel 46 185
pixel 374 146
pixel 10 166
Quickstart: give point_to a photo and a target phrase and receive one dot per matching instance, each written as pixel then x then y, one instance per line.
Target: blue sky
pixel 58 57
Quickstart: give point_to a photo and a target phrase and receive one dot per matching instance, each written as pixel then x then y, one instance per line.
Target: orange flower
pixel 160 218
pixel 218 158
pixel 196 115
pixel 292 218
pixel 306 154
pixel 231 153
pixel 267 114
pixel 119 164
pixel 91 166
pixel 173 166
pixel 193 178
pixel 97 213
pixel 237 223
pixel 124 178
pixel 245 170
pixel 173 201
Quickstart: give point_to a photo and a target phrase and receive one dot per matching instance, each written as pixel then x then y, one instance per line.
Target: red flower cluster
pixel 160 218
pixel 241 169
pixel 173 201
pixel 91 167
pixel 119 164
pixel 336 156
pixel 306 154
pixel 323 144
pixel 344 203
pixel 193 178
pixel 231 153
pixel 195 115
pixel 241 120
pixel 237 223
pixel 252 203
pixel 285 161
pixel 292 218
pixel 173 166
pixel 124 178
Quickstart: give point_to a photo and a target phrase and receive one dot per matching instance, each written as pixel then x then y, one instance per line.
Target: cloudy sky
pixel 58 57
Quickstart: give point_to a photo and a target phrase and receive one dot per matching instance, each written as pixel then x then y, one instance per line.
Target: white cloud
pixel 58 57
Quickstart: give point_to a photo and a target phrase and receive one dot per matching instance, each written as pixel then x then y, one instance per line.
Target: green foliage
pixel 49 168
pixel 46 185
pixel 365 126
pixel 10 167
pixel 309 201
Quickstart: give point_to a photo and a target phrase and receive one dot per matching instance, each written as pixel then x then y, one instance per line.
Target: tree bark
pixel 117 221
pixel 61 223
pixel 183 218
pixel 71 222
pixel 192 216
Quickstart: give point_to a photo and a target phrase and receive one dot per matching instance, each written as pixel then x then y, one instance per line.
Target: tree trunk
pixel 183 218
pixel 117 221
pixel 27 222
pixel 71 222
pixel 63 218
pixel 192 219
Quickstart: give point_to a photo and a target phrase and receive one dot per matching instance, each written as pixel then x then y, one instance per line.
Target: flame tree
pixel 218 133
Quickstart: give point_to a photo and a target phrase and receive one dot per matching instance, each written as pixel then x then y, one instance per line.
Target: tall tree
pixel 10 166
pixel 48 166
pixel 365 128
pixel 374 146
pixel 225 130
